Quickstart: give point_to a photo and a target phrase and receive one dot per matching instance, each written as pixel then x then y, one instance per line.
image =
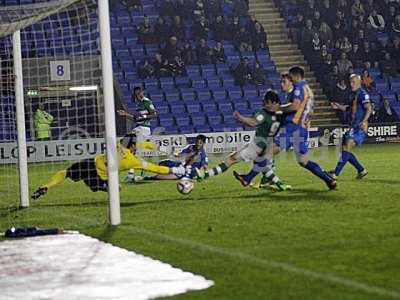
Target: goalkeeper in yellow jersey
pixel 93 172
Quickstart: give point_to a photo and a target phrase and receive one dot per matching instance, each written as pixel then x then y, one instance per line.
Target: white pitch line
pixel 327 277
pixel 330 278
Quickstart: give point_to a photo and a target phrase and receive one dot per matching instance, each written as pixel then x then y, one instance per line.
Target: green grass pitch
pixel 309 243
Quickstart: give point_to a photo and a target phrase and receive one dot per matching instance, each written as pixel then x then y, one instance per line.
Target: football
pixel 184 186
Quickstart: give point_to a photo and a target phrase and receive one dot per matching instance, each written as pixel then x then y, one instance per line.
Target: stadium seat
pixel 151 84
pixel 166 120
pixel 193 107
pixel 198 83
pixel 185 129
pixel 214 83
pixel 210 107
pixel 219 94
pixel 225 108
pixel 177 107
pixel 202 128
pixel 157 96
pixel 188 94
pixel 182 120
pixel 250 93
pixel 167 83
pixel 214 118
pixel 162 108
pixel 199 120
pixel 203 94
pixel 235 92
pixel 182 82
pixel 172 95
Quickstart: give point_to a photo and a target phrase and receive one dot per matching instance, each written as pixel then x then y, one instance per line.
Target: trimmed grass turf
pixel 229 234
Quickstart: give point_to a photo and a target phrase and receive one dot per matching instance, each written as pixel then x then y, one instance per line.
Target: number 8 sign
pixel 60 70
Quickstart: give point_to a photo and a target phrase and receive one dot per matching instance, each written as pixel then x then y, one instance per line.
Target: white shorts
pixel 143 133
pixel 252 152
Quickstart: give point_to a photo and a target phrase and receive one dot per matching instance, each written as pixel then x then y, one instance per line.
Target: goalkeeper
pixel 93 172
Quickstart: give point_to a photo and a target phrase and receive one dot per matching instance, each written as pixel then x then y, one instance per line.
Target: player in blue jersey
pixel 193 155
pixel 297 121
pixel 361 110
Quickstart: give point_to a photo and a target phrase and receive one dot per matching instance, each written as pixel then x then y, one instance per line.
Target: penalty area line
pixel 289 268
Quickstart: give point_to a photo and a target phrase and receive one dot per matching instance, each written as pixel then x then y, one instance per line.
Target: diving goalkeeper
pixel 93 171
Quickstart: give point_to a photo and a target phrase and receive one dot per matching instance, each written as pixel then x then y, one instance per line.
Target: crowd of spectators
pixel 184 29
pixel 340 36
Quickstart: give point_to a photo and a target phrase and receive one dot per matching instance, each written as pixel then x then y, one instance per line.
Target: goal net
pixel 63 110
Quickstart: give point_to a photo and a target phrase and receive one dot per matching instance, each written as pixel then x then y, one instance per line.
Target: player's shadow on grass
pixel 383 181
pixel 104 203
pixel 295 195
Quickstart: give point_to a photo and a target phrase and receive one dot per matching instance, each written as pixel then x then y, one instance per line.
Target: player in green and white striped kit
pixel 267 123
pixel 145 112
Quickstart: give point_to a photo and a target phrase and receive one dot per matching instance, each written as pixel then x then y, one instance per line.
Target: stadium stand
pixel 341 37
pixel 204 95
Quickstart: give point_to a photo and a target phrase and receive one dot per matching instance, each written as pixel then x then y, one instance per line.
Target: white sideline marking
pixel 76 267
pixel 327 277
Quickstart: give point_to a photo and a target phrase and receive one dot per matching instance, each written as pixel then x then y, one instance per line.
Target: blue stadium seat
pixel 167 83
pixel 166 120
pixel 157 97
pixel 214 83
pixel 202 129
pixel 235 92
pixel 389 95
pixel 162 108
pixel 210 107
pixel 177 107
pixel 199 120
pixel 198 83
pixel 250 92
pixel 171 129
pixel 188 94
pixel 395 86
pixel 183 82
pixel 225 108
pixel 193 71
pixel 193 107
pixel 228 82
pixel 186 129
pixel 214 118
pixel 219 94
pixel 203 94
pixel 151 84
pixel 209 73
pixel 241 105
pixel 182 120
pixel 381 85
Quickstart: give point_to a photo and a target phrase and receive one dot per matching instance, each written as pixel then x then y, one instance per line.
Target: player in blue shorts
pixel 295 128
pixel 361 110
pixel 193 155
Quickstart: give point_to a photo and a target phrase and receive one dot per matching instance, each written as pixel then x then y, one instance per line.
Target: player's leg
pixel 143 133
pixel 351 139
pixel 74 172
pixel 218 169
pixel 166 163
pixel 300 144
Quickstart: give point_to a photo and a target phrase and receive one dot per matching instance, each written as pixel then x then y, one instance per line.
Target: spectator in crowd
pixel 369 6
pixel 198 9
pixel 316 47
pixel 259 38
pixel 204 53
pixel 218 53
pixel 385 113
pixel 42 121
pixel 396 26
pixel 340 100
pixel 251 25
pixel 357 9
pixel 219 29
pixel 368 54
pixel 145 31
pixel 344 64
pixel 387 66
pixel 296 27
pixel 325 33
pixel 145 69
pixel 184 9
pixel 377 22
pixel 395 54
pixel 200 29
pixel 345 45
pixel 132 4
pixel 212 8
pixel 317 19
pixel 161 66
pixel 327 12
pixel 355 55
pixel 308 9
pixel 258 74
pixel 242 73
pixel 178 28
pixel 343 7
pixel 243 40
pixel 338 30
pixel 188 54
pixel 171 49
pixel 240 8
pixel 161 30
pixel 234 27
pixel 367 80
pixel 177 67
pixel 390 17
pixel 307 35
pixel 167 8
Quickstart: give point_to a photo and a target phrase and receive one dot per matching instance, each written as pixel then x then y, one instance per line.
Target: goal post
pixel 69 39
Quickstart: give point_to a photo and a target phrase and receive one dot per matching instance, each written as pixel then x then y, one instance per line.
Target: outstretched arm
pixel 249 121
